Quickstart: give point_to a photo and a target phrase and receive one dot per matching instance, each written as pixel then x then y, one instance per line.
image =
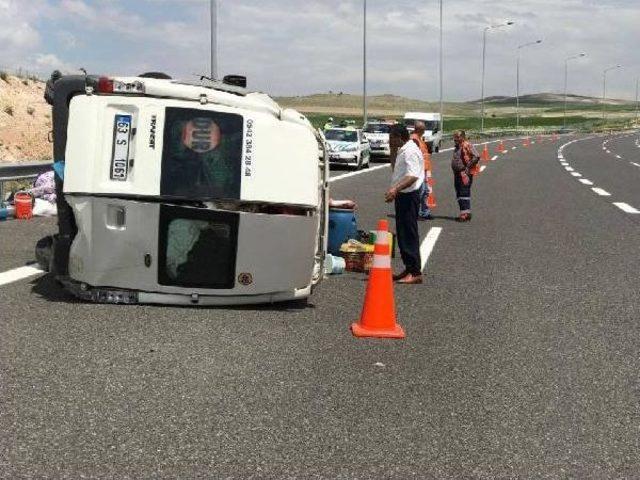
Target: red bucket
pixel 24 205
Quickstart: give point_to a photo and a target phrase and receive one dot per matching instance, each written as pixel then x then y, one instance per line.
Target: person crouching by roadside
pixel 465 158
pixel 408 176
pixel 417 136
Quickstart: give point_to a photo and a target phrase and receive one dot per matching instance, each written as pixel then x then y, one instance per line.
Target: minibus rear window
pixel 201 154
pixel 197 247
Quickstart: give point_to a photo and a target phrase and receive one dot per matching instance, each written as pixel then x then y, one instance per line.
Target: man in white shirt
pixel 408 177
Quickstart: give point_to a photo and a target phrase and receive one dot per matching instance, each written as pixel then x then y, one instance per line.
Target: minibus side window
pixel 197 247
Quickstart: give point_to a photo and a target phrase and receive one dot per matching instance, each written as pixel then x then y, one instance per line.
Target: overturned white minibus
pixel 185 193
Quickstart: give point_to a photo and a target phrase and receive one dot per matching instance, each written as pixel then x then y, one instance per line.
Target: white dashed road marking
pixel 482 168
pixel 634 163
pixel 426 247
pixel 568 169
pixel 576 174
pixel 618 156
pixel 625 207
pixel 357 172
pixel 494 157
pixel 585 181
pixel 601 192
pixel 19 274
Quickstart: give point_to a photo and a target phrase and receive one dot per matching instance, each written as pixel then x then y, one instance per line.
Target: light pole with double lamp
pixel 604 89
pixel 566 68
pixel 484 55
pixel 520 47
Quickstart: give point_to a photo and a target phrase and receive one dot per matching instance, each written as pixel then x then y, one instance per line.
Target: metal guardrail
pixel 11 172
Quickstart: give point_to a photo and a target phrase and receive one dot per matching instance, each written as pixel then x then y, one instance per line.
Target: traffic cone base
pixel 363 332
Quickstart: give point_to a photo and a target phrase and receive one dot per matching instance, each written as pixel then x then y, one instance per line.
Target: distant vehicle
pixel 377 132
pixel 186 193
pixel 348 146
pixel 433 133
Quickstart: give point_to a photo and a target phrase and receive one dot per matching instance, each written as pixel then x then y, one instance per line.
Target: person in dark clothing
pixel 464 163
pixel 408 177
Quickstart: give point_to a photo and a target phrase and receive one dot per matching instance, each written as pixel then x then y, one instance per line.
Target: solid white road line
pixel 576 174
pixel 357 172
pixel 585 181
pixel 494 157
pixel 19 274
pixel 625 207
pixel 601 192
pixel 426 247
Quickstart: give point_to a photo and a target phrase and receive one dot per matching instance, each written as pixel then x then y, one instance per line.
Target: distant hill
pixel 394 105
pixel 549 99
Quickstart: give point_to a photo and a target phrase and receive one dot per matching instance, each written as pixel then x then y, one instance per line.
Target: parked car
pixel 348 146
pixel 433 133
pixel 377 132
pixel 187 193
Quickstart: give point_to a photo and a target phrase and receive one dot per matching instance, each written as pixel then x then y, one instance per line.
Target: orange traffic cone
pixel 378 318
pixel 525 142
pixel 501 147
pixel 485 154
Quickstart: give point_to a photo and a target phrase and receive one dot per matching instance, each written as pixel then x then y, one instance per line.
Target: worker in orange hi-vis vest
pixel 417 136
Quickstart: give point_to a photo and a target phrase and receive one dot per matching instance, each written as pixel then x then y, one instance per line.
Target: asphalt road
pixel 521 357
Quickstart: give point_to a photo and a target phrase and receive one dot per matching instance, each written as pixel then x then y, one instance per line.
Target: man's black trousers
pixel 407 207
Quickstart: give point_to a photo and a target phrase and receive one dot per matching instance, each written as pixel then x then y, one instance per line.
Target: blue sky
pixel 289 47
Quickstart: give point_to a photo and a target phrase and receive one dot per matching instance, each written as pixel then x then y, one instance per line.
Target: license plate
pixel 121 140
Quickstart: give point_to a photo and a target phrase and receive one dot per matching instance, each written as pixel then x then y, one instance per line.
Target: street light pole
pixel 214 39
pixel 604 90
pixel 566 68
pixel 518 79
pixel 637 105
pixel 364 67
pixel 441 74
pixel 484 54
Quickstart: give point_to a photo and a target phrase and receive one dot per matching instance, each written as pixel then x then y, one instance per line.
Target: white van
pixel 183 193
pixel 433 133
